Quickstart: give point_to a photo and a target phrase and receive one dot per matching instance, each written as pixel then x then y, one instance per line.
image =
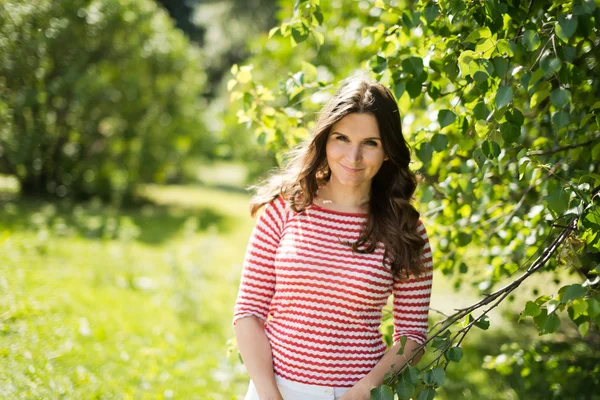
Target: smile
pixel 352 170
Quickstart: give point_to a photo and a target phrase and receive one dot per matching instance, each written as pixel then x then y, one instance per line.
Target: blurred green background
pixel 124 217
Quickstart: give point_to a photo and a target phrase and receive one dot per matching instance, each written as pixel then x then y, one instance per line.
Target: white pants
pixel 291 390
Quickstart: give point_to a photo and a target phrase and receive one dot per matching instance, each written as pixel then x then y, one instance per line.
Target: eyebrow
pixel 369 138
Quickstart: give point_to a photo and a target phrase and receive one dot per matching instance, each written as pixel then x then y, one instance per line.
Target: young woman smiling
pixel 337 237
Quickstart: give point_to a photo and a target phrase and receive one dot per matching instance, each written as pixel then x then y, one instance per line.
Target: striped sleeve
pixel 257 284
pixel 411 299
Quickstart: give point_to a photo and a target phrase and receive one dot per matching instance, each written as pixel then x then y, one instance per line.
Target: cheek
pixel 333 150
pixel 374 157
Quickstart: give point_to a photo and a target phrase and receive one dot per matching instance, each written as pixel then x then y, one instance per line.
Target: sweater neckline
pixel 348 214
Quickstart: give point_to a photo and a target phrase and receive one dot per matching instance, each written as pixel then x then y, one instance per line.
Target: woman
pixel 337 237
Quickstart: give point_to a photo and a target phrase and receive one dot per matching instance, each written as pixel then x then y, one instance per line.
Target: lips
pixel 352 170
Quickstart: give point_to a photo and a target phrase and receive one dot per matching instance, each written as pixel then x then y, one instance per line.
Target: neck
pixel 346 196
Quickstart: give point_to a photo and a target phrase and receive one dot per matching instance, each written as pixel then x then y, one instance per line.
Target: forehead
pixel 359 125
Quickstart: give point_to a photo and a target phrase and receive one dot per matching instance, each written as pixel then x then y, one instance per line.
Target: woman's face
pixel 354 150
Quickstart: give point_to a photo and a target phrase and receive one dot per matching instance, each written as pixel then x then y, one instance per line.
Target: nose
pixel 354 154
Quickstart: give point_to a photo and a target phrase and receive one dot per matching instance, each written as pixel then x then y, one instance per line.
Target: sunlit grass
pixel 136 303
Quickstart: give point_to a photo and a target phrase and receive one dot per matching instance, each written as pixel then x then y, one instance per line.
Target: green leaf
pixel 480 33
pixel 500 66
pixel 504 48
pixel 504 95
pixel 515 117
pixel 531 40
pixel 434 377
pixel 546 323
pixel 431 12
pixel 273 31
pixel 552 306
pixel 454 354
pixel 403 341
pixel 538 97
pixel 439 343
pixel 583 328
pixel 300 33
pixel 483 322
pixel 404 389
pixel 399 88
pixel 451 69
pixel 490 149
pixel 577 309
pixel 481 112
pixel 378 64
pixel 318 37
pixel 535 78
pixel 410 20
pixel 413 65
pixel 427 393
pixel 593 307
pixel 572 292
pixel 560 119
pixel 445 118
pixel 480 76
pixel 485 47
pixel 382 392
pixel 464 238
pixel 523 163
pixel 318 15
pixel 414 87
pixel 411 374
pixel 424 152
pixel 567 24
pixel 510 133
pixel 585 119
pixel 482 128
pixel 558 200
pixel 584 7
pixel 550 65
pixel 531 309
pixel 560 97
pixel 434 90
pixel 464 62
pixel 440 142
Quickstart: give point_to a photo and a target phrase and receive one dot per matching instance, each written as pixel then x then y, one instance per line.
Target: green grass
pixel 136 303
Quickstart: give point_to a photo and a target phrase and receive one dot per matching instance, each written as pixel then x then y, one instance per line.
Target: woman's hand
pixel 360 391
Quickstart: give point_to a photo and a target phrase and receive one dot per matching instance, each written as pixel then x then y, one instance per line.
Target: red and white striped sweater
pixel 324 302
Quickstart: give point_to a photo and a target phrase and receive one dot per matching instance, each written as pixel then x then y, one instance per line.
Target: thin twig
pixel 541 53
pixel 559 149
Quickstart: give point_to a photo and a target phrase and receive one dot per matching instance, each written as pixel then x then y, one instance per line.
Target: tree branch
pixel 559 149
pixel 495 298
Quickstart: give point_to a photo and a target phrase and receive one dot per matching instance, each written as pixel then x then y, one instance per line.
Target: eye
pixel 371 143
pixel 342 138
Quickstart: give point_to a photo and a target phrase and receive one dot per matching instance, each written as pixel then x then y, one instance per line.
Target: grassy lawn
pixel 137 303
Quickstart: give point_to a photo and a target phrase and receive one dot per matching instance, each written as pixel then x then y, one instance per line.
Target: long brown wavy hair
pixel 392 219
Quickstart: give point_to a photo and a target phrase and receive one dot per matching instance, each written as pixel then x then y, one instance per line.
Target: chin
pixel 352 182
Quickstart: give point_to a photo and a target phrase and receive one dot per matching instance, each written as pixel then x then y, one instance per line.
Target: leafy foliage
pixel 499 100
pixel 95 96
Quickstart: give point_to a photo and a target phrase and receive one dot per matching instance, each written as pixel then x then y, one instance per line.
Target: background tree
pixel 499 99
pixel 96 96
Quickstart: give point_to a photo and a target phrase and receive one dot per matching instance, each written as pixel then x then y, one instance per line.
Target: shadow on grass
pixel 145 222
